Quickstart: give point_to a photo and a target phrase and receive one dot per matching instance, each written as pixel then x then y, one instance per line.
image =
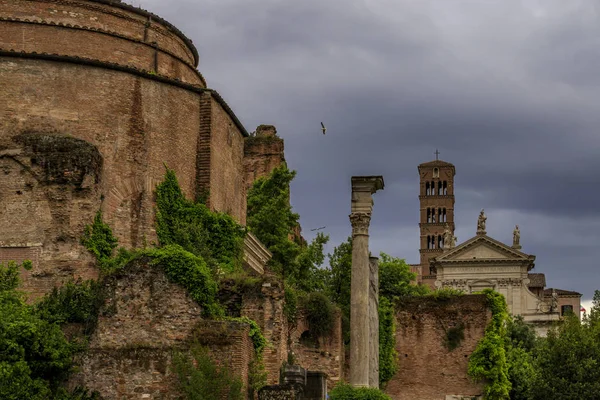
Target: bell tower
pixel 436 199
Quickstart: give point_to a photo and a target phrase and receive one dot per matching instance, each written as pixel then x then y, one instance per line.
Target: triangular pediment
pixel 483 247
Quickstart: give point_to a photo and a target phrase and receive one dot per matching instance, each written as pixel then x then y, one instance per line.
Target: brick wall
pixel 262 154
pixel 428 370
pixel 325 355
pixel 145 319
pixel 265 306
pixel 136 123
pixel 99 31
pixel 227 191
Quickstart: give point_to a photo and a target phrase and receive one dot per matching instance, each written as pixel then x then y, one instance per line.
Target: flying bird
pixel 318 229
pixel 323 128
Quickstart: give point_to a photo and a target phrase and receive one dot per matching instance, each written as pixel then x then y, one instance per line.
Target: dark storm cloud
pixel 507 90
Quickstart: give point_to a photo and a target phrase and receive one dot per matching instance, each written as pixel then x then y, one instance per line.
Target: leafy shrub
pixel 343 391
pixel 99 240
pixel 189 271
pixel 319 314
pixel 445 294
pixel 454 336
pixel 488 361
pixel 77 302
pixel 214 236
pixel 199 378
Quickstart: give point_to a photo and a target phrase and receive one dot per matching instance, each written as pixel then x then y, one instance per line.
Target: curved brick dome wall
pixel 102 30
pixel 95 97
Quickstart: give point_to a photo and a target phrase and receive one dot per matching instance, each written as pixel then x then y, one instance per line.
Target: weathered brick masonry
pixel 145 320
pixel 122 81
pixel 428 370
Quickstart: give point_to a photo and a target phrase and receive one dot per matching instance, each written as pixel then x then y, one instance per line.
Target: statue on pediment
pixel 481 223
pixel 516 236
pixel 448 238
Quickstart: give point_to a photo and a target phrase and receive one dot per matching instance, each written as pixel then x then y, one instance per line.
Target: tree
pixel 271 219
pixel 338 282
pixel 395 278
pixel 567 363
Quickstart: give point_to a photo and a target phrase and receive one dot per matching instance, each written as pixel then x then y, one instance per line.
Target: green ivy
pixel 74 302
pixel 199 377
pixel 343 391
pixel 388 357
pixel 320 314
pixel 214 236
pixel 99 240
pixel 454 336
pixel 189 271
pixel 35 356
pixel 489 362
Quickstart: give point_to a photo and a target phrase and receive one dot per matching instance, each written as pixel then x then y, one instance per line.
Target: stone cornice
pixel 520 256
pixel 139 11
pixel 108 33
pixel 256 255
pixel 134 71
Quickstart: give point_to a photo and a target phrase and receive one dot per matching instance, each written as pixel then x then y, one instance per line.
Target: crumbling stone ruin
pixel 96 98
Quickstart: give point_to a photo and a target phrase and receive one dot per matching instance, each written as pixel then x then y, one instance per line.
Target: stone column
pixel 362 205
pixel 374 322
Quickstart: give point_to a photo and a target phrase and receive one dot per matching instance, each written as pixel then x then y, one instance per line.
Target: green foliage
pixel 320 314
pixel 395 278
pixel 74 302
pixel 454 336
pixel 258 339
pixel 445 294
pixel 34 354
pixel 388 357
pixel 567 362
pixel 337 285
pixel 271 219
pixel 488 361
pixel 199 378
pixel 189 271
pixel 9 276
pixel 290 307
pixel 343 391
pixel 305 272
pixel 214 236
pixel 99 240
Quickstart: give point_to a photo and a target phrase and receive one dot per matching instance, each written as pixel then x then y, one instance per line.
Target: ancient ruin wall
pixel 262 153
pixel 108 31
pixel 428 369
pixel 145 320
pixel 323 355
pixel 133 122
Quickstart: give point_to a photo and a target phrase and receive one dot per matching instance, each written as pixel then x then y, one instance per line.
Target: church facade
pixel 480 262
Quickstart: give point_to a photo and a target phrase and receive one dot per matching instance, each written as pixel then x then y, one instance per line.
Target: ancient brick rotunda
pixel 96 96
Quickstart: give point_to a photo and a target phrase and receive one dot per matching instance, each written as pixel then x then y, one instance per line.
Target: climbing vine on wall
pixel 488 362
pixel 388 357
pixel 214 236
pixel 99 240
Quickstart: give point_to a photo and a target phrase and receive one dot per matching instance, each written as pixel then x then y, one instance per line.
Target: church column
pixel 362 205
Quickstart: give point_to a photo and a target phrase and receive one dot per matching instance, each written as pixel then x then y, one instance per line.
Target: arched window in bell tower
pixel 445 188
pixel 426 188
pixel 436 172
pixel 433 220
pixel 439 191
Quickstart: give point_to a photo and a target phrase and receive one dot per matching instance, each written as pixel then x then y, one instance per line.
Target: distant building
pixel 480 262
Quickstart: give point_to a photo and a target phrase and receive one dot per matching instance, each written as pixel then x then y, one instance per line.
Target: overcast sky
pixel 507 90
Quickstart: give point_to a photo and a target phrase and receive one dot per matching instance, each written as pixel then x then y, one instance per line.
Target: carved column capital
pixel 360 223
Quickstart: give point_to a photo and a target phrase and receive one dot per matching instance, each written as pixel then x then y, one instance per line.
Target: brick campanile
pixel 436 200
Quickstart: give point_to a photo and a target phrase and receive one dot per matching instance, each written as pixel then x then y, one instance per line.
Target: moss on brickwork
pixel 62 159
